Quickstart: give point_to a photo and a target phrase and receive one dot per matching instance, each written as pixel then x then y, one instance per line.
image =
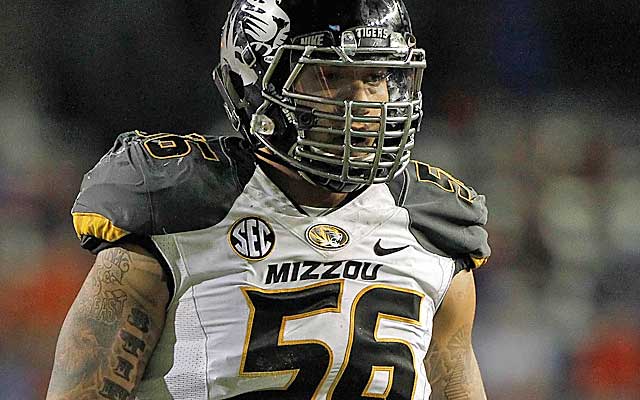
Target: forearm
pixel 91 361
pixel 451 365
pixel 110 331
pixel 453 371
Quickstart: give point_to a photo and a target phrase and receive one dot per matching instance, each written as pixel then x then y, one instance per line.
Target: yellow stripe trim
pixel 479 261
pixel 98 226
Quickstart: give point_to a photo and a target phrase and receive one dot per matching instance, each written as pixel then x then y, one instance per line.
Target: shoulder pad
pixel 161 183
pixel 447 217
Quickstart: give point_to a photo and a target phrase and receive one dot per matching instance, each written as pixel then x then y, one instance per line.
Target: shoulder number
pixel 171 145
pixel 443 180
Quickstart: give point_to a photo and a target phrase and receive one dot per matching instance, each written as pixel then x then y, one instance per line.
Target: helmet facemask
pixel 354 108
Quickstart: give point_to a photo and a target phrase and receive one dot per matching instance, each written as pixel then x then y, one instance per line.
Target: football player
pixel 310 259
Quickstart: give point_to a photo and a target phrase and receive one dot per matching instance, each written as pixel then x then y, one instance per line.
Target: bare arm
pixel 451 365
pixel 111 329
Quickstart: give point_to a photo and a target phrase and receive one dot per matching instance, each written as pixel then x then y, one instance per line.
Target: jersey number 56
pixel 308 362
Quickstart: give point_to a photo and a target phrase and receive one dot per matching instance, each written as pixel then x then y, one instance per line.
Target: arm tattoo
pixel 115 265
pixel 458 384
pixel 106 305
pixel 452 370
pixel 108 334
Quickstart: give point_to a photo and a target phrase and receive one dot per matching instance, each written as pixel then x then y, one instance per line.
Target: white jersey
pixel 271 303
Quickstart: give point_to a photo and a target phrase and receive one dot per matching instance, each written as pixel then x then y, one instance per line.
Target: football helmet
pixel 330 87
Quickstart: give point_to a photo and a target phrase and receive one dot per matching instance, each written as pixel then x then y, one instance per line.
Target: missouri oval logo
pixel 327 237
pixel 252 238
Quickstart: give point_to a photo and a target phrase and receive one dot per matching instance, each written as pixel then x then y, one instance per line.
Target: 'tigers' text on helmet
pixel 372 32
pixel 252 238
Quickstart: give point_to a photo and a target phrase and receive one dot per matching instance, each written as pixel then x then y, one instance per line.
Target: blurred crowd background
pixel 535 103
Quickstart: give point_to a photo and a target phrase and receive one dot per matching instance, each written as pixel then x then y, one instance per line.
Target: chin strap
pixel 262 152
pixel 262 155
pixel 324 183
pixel 330 184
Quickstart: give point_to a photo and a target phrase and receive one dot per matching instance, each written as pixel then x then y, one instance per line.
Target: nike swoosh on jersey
pixel 381 251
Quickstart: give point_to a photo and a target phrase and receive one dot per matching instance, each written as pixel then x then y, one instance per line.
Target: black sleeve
pixel 135 189
pixel 446 216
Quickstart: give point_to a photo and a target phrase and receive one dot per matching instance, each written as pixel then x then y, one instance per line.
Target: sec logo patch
pixel 252 238
pixel 327 237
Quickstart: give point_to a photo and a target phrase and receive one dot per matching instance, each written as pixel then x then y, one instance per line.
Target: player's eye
pixel 376 78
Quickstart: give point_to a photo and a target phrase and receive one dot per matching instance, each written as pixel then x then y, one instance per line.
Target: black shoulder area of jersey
pixel 446 216
pixel 150 184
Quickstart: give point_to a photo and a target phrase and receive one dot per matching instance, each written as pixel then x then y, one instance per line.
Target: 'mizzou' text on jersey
pixel 314 270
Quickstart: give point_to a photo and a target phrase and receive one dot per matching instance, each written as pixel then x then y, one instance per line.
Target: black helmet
pixel 331 87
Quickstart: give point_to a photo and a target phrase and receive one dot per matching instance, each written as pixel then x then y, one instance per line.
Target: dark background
pixel 535 103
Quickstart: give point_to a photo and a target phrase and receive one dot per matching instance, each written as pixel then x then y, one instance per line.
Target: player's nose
pixel 361 92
